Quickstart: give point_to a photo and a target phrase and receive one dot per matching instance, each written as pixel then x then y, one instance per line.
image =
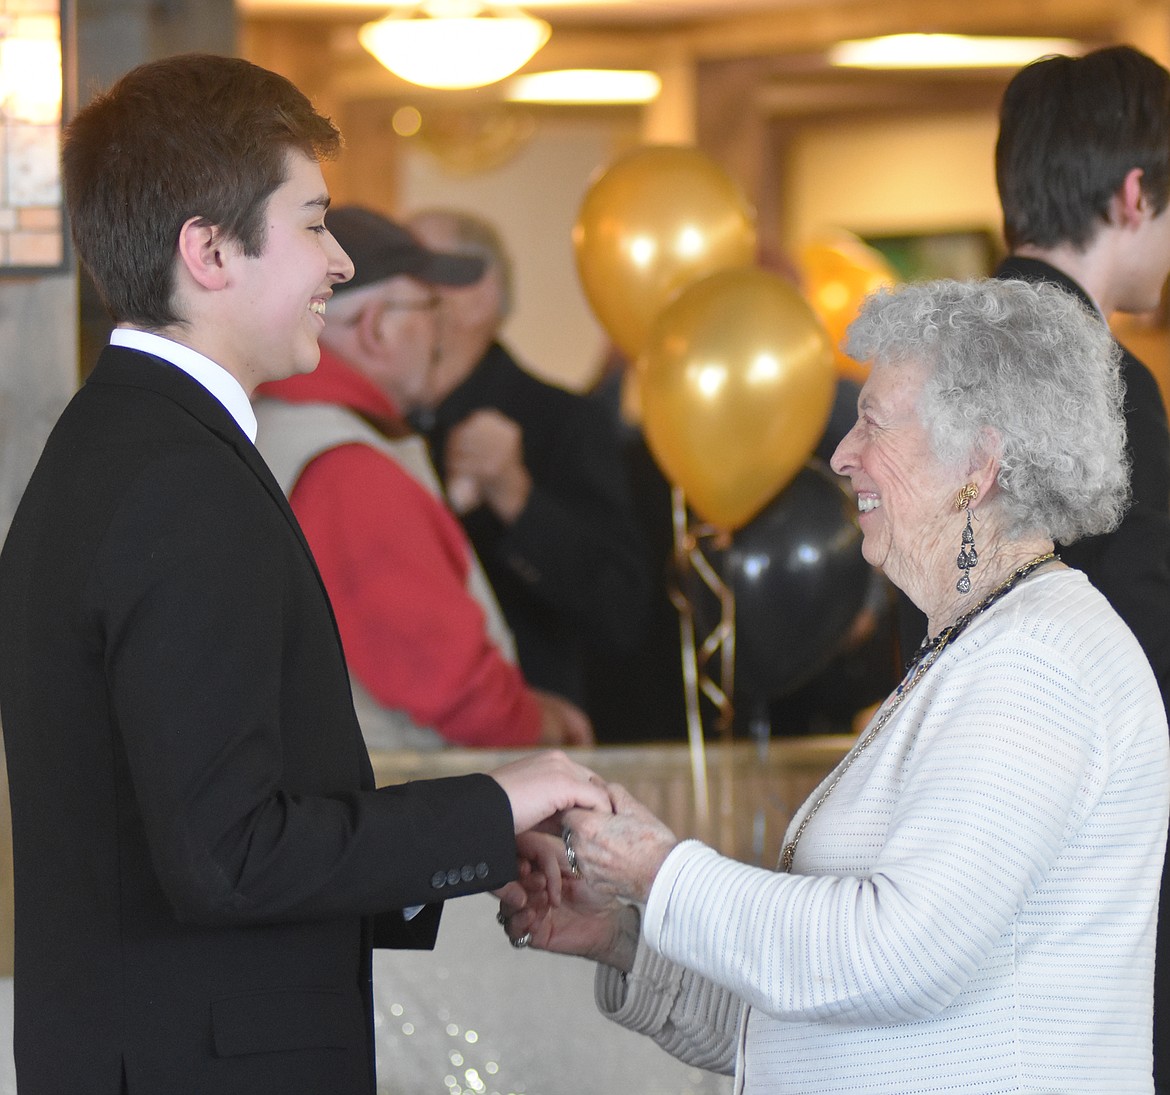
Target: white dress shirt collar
pixel 215 378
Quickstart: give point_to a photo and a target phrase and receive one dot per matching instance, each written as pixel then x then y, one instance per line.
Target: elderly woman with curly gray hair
pixel 967 902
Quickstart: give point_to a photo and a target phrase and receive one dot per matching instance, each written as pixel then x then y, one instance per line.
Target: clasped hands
pixel 583 872
pixel 485 465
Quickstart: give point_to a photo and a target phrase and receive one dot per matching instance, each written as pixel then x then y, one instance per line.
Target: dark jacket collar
pixel 122 366
pixel 126 367
pixel 1036 270
pixel 480 388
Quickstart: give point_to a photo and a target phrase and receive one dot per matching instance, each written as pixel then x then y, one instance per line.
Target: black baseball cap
pixel 382 249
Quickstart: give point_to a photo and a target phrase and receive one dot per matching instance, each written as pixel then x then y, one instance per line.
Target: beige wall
pixel 533 200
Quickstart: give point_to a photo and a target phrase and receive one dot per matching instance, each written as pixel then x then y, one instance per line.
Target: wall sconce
pixel 454 43
pixel 32 230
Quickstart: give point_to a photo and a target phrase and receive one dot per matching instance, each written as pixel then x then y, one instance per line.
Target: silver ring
pixel 521 941
pixel 571 854
pixel 501 919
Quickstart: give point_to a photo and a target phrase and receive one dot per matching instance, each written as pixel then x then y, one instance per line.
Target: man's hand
pixel 562 722
pixel 543 784
pixel 485 465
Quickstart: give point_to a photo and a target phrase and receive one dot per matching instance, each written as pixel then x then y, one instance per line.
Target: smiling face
pixel 904 495
pixel 278 298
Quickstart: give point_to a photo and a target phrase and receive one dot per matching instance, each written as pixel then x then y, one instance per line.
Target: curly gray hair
pixel 1025 370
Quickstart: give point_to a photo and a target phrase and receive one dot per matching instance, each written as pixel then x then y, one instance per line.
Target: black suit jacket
pixel 202 861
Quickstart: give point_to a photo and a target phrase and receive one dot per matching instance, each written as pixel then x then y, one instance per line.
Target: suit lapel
pixel 133 368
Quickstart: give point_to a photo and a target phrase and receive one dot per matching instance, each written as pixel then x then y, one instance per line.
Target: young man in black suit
pixel 1083 168
pixel 202 860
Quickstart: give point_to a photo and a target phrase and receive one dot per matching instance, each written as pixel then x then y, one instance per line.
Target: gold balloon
pixel 736 384
pixel 840 271
pixel 659 218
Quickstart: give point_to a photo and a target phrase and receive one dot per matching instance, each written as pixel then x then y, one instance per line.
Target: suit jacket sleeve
pixel 227 687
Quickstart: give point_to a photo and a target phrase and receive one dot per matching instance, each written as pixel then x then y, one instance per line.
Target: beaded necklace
pixel 924 657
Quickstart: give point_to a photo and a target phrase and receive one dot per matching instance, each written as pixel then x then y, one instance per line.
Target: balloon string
pixel 686 622
pixel 694 719
pixel 697 657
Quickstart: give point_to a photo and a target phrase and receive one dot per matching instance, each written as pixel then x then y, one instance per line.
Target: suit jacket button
pixel 481 870
pixel 439 879
pixel 467 873
pixel 453 877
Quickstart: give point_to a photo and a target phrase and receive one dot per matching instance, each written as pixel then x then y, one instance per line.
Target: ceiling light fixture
pixel 584 86
pixel 946 51
pixel 454 44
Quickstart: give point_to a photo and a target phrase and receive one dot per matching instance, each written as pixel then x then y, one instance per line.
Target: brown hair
pixel 1070 130
pixel 195 135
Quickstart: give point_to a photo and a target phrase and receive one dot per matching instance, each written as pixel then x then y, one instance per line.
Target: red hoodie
pixel 395 561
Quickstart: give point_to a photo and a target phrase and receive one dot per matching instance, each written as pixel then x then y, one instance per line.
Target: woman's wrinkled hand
pixel 619 854
pixel 548 909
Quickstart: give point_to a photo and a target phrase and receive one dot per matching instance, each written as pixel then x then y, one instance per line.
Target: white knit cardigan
pixel 972 909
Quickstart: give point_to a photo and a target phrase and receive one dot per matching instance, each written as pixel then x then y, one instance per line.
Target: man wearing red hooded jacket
pixel 431 660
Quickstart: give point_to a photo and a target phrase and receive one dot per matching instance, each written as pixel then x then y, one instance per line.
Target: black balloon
pixel 799 581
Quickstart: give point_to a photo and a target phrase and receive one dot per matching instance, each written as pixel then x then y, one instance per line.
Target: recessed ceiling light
pixel 946 51
pixel 584 86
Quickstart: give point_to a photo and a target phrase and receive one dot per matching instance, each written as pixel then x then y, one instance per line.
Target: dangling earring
pixel 968 556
